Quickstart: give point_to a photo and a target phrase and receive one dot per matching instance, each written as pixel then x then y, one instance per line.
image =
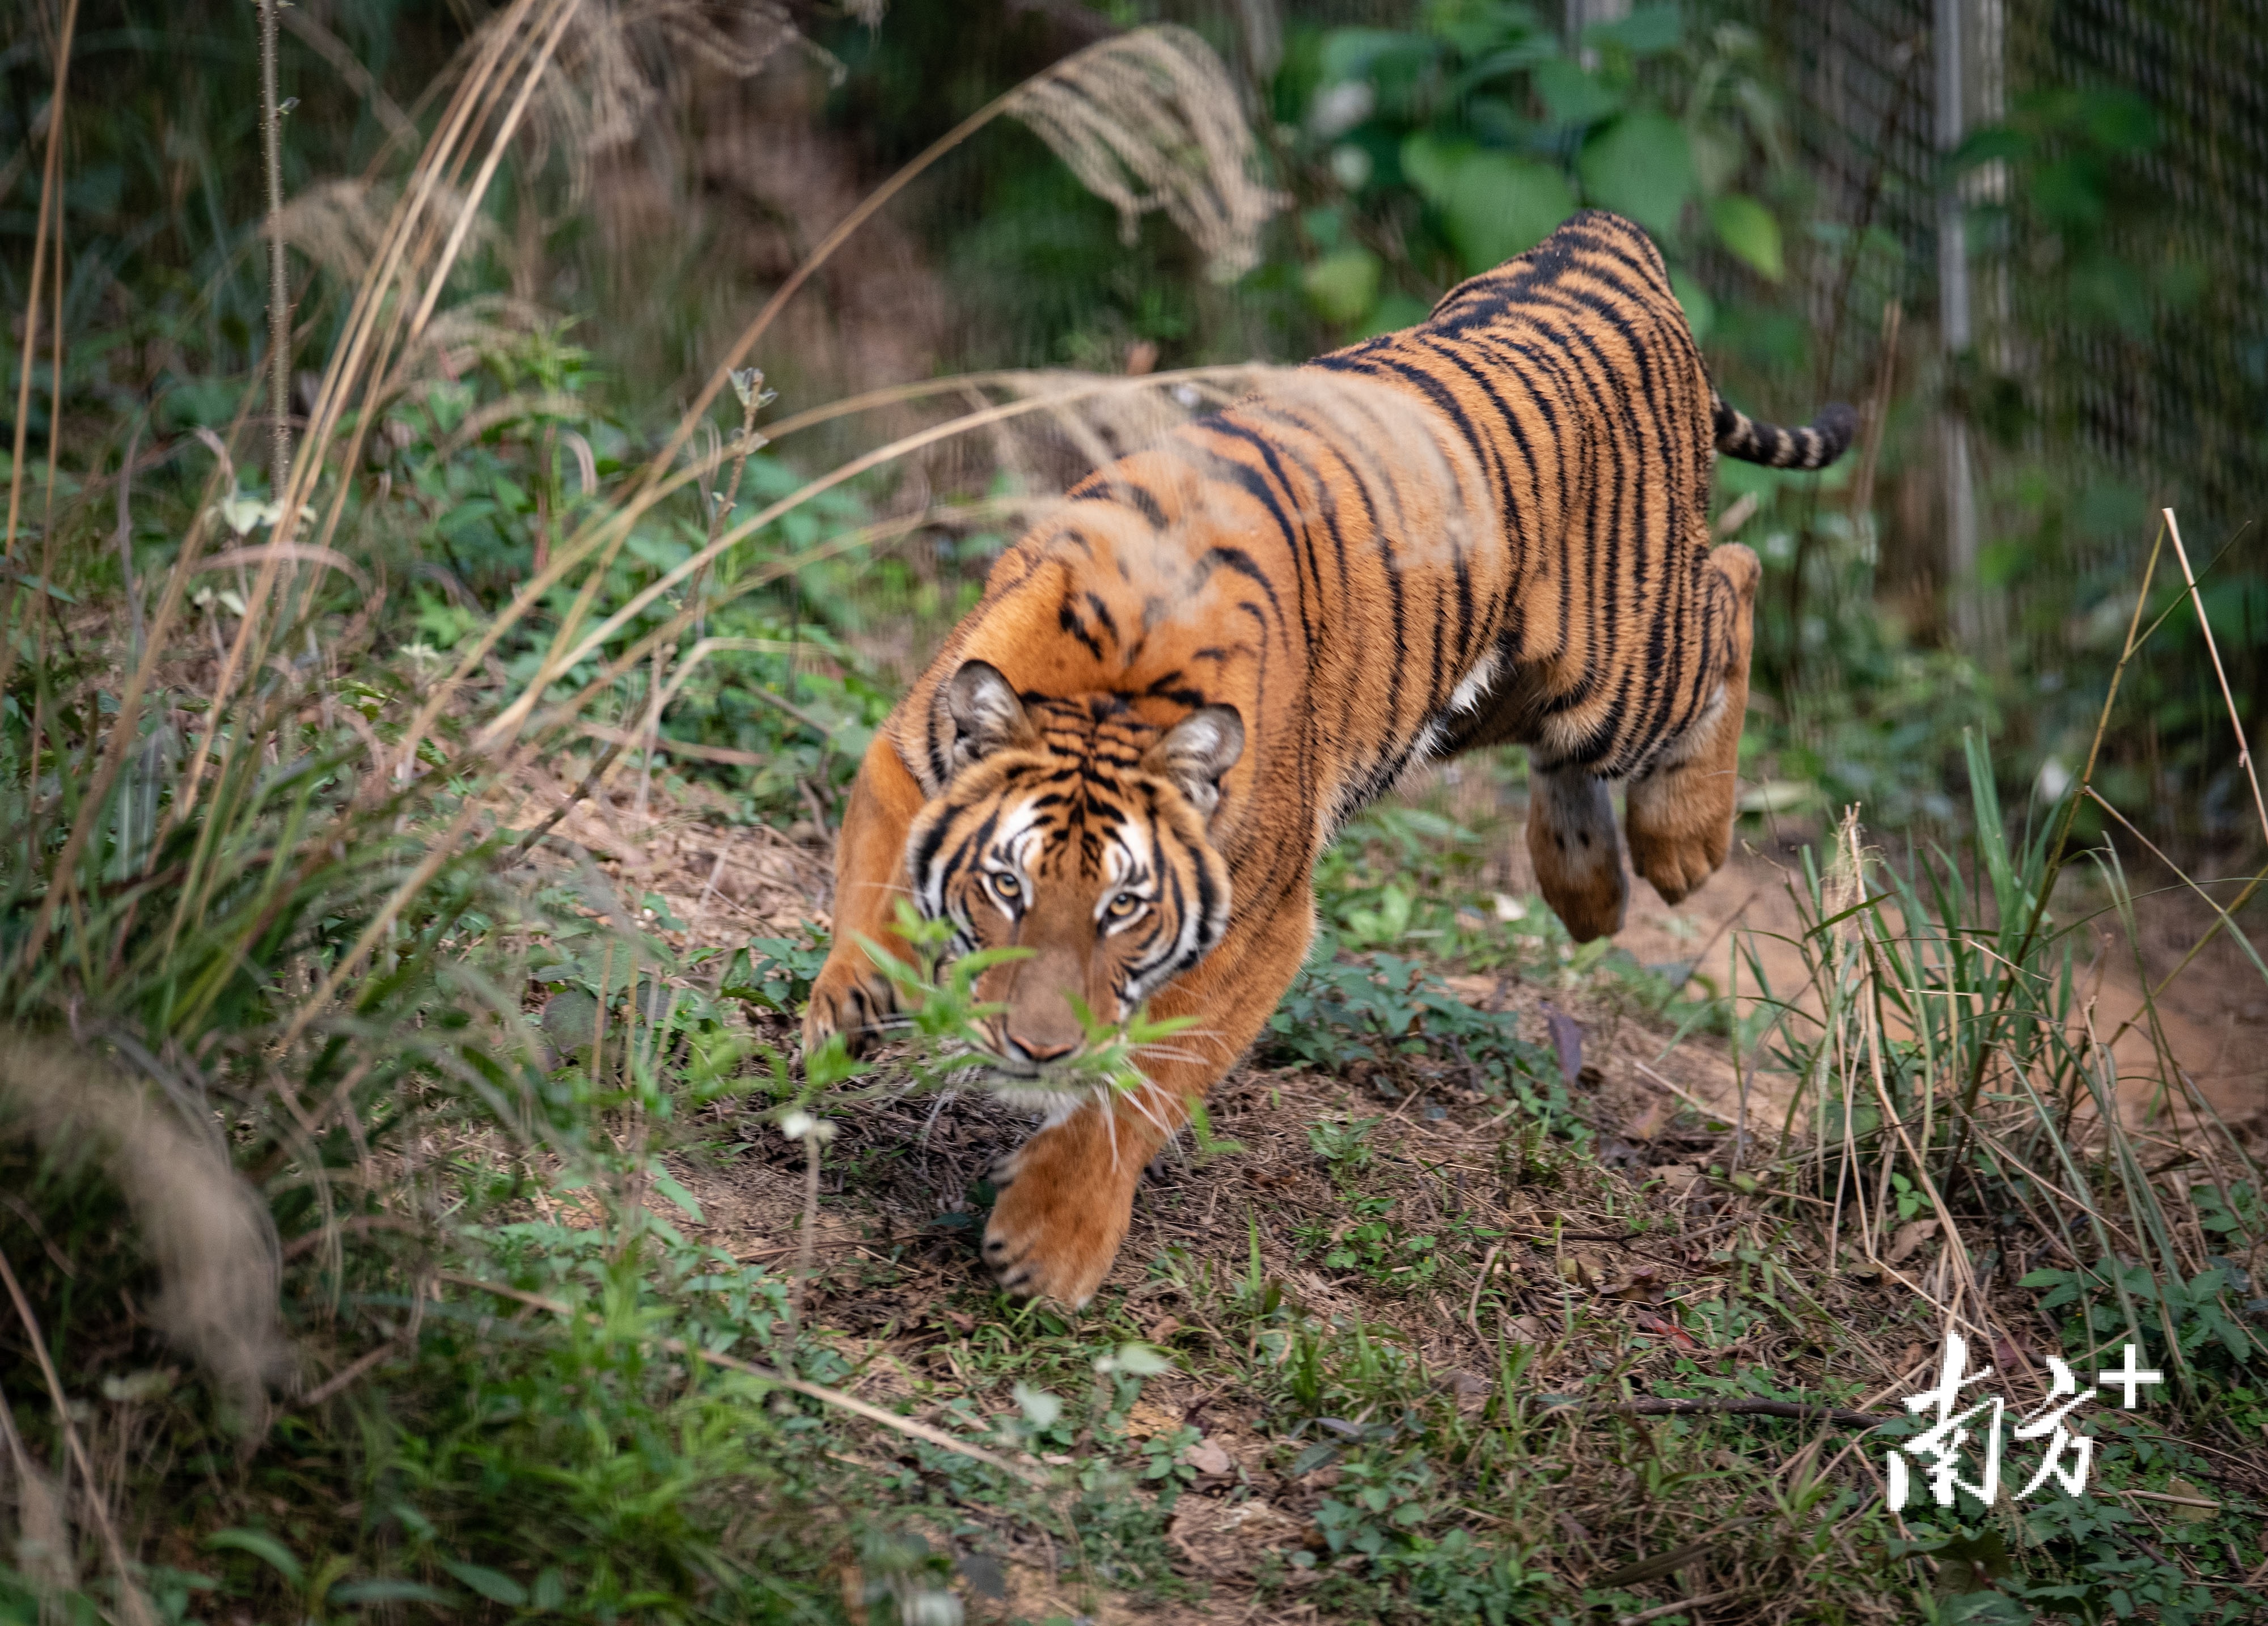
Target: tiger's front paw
pixel 850 997
pixel 1058 1222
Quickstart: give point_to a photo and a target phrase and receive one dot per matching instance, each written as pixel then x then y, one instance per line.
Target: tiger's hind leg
pixel 1576 857
pixel 1679 815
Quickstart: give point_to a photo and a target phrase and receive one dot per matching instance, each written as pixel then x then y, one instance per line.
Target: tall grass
pixel 1945 1045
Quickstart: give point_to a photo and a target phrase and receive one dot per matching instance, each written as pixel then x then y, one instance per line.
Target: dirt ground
pixel 2214 1014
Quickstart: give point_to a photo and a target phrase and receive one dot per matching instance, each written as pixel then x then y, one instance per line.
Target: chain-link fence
pixel 2183 403
pixel 2147 365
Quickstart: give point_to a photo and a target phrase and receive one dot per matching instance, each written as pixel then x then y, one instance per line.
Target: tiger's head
pixel 1076 830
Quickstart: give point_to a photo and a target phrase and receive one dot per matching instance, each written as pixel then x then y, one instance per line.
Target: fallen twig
pixel 1660 1609
pixel 521 847
pixel 346 1375
pixel 1706 1406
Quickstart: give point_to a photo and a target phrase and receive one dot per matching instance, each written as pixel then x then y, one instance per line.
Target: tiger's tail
pixel 1825 440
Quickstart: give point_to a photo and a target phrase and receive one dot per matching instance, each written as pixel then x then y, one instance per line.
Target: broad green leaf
pixel 1571 96
pixel 1639 166
pixel 1747 228
pixel 1343 285
pixel 1648 30
pixel 261 1546
pixel 493 1585
pixel 1348 52
pixel 1395 311
pixel 1430 160
pixel 389 1591
pixel 1494 205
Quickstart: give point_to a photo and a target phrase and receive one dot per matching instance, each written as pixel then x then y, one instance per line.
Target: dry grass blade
pixel 606 533
pixel 378 319
pixel 1150 121
pixel 134 1607
pixel 210 1235
pixel 279 286
pixel 565 655
pixel 2220 676
pixel 51 207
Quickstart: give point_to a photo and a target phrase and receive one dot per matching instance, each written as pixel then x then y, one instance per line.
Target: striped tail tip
pixel 1817 446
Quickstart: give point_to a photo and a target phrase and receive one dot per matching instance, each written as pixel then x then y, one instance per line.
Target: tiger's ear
pixel 987 717
pixel 1197 751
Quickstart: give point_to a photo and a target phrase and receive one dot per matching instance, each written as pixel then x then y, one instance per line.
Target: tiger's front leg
pixel 1679 817
pixel 1067 1195
pixel 851 996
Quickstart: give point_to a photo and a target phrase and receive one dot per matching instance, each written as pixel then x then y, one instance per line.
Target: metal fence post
pixel 1966 38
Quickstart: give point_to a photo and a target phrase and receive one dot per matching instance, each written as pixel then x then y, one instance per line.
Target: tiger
pixel 1126 758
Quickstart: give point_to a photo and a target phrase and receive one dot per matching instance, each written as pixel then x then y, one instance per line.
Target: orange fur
pixel 1491 526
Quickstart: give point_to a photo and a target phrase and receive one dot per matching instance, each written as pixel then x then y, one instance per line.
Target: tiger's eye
pixel 1124 904
pixel 1007 886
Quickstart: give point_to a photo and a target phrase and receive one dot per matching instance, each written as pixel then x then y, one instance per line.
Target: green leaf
pixel 1429 161
pixel 261 1546
pixel 1570 96
pixel 1395 311
pixel 493 1585
pixel 1700 310
pixel 1342 286
pixel 1493 205
pixel 389 1591
pixel 1648 30
pixel 667 1184
pixel 1641 167
pixel 1747 228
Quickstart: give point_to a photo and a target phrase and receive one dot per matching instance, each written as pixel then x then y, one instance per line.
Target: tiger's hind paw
pixel 1576 857
pixel 1678 862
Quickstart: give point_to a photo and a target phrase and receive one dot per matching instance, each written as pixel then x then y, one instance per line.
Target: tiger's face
pixel 1077 831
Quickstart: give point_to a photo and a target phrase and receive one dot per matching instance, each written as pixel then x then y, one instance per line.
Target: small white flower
pixel 1350 166
pixel 241 512
pixel 1040 1408
pixel 1508 908
pixel 1338 108
pixel 2054 779
pixel 749 385
pixel 796 1125
pixel 929 1608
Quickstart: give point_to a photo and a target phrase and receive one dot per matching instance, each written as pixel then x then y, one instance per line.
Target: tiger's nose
pixel 1033 1049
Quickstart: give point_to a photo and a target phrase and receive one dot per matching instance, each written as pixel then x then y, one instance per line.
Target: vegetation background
pixel 413 823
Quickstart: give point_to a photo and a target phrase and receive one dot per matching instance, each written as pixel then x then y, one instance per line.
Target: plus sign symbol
pixel 2128 1377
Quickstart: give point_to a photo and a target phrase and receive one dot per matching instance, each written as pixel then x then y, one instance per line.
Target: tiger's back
pixel 1573 373
pixel 1491 527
